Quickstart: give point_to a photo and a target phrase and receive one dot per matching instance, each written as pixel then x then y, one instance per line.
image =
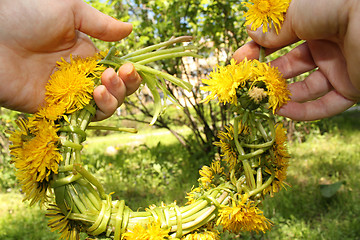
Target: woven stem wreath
pixel 47 152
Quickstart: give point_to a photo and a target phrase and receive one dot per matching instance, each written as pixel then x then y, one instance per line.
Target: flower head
pixel 35 155
pixel 227 143
pixel 249 83
pixel 266 13
pixel 152 231
pixel 209 173
pixel 38 155
pixel 280 161
pixel 224 81
pixel 73 83
pixel 193 195
pixel 243 216
pixel 276 86
pixel 34 191
pixel 206 235
pixel 68 229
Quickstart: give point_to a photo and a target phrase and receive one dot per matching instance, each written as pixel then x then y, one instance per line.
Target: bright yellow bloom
pixel 87 65
pixel 276 85
pixel 280 161
pixel 52 112
pixel 206 235
pixel 247 77
pixel 73 83
pixel 280 147
pixel 59 222
pixel 227 143
pixel 206 176
pixel 152 231
pixel 266 13
pixel 35 192
pixel 224 81
pixel 71 88
pixel 208 173
pixel 193 195
pixel 35 149
pixel 243 216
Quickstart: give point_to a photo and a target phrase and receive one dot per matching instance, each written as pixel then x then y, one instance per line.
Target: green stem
pixel 158 46
pixel 262 54
pixel 249 174
pixel 117 129
pixel 169 56
pixel 160 53
pixel 236 136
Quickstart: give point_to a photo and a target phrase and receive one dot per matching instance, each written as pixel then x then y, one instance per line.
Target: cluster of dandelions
pixel 254 155
pixel 36 144
pixel 247 85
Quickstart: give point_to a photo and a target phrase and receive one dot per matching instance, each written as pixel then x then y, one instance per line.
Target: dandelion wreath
pixel 47 146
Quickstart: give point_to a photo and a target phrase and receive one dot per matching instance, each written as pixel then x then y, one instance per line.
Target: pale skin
pixel 331 30
pixel 35 34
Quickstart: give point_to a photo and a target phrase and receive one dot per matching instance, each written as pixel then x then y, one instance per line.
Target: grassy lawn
pixel 159 170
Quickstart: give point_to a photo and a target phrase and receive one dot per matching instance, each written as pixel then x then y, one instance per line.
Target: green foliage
pixel 20 222
pixel 7 177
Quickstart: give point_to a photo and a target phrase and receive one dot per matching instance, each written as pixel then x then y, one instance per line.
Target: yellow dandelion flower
pixel 224 81
pixel 86 66
pixel 19 137
pixel 266 13
pixel 74 89
pixel 209 173
pixel 279 181
pixel 277 90
pixel 280 160
pixel 206 176
pixel 35 192
pixel 35 149
pixel 152 231
pixel 280 148
pixel 73 83
pixel 52 112
pixel 68 229
pixel 243 216
pixel 193 195
pixel 227 143
pixel 206 235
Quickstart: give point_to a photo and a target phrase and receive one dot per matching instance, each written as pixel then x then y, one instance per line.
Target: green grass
pixel 150 173
pixel 19 221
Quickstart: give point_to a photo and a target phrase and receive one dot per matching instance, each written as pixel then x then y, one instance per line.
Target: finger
pixel 114 85
pixel 98 25
pixel 299 60
pixel 329 105
pixel 250 50
pixel 106 103
pixel 307 23
pixel 314 86
pixel 130 78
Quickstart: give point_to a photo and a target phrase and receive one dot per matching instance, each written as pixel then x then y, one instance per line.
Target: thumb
pixel 307 20
pixel 97 24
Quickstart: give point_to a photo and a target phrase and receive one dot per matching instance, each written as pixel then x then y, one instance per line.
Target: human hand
pixel 331 30
pixel 35 34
